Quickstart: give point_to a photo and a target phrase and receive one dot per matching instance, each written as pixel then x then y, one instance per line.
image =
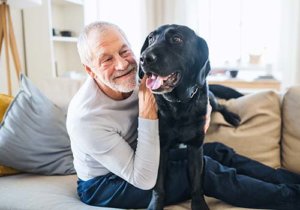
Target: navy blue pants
pixel 230 177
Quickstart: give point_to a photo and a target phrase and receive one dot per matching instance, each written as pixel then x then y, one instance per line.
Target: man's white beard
pixel 126 86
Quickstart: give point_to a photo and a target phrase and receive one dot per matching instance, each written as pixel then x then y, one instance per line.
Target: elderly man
pixel 113 126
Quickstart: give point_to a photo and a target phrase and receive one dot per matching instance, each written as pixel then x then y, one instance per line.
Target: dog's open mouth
pixel 158 83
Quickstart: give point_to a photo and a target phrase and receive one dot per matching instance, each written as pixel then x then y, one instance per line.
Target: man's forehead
pixel 101 41
pixel 105 35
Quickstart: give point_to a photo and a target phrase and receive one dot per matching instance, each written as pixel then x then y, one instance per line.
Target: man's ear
pixel 204 68
pixel 140 71
pixel 89 71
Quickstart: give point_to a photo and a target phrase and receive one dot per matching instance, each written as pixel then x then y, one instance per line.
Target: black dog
pixel 175 61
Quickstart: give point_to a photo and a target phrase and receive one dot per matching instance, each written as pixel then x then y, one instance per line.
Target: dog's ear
pixel 145 45
pixel 202 49
pixel 201 78
pixel 140 71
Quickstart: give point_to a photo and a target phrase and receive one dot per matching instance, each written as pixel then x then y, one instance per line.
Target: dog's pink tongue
pixel 154 82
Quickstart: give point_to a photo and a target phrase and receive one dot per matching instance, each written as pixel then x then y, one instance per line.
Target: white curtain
pixel 159 12
pixel 289 56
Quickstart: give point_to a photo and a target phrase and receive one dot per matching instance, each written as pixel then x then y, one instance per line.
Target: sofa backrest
pixel 291 129
pixel 266 110
pixel 60 90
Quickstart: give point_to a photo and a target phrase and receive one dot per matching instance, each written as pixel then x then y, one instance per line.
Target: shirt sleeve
pixel 105 145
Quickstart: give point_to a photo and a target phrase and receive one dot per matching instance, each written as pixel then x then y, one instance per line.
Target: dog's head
pixel 175 61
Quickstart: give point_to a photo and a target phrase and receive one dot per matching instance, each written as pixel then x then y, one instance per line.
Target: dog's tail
pixel 221 91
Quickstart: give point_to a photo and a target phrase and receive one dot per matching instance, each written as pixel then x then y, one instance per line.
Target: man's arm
pixel 147 103
pixel 99 140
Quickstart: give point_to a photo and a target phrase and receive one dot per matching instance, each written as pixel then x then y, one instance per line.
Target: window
pixel 241 33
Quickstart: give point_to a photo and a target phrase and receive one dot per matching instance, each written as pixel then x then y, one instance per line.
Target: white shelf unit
pixel 48 54
pixel 67 2
pixel 64 39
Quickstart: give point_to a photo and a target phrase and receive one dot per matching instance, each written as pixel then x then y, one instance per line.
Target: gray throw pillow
pixel 33 134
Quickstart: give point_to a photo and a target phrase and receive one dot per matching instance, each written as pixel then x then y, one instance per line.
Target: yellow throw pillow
pixel 5 100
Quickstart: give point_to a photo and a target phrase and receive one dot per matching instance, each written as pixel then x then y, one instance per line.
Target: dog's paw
pixel 199 205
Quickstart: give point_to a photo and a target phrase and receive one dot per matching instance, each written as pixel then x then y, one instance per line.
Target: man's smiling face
pixel 113 61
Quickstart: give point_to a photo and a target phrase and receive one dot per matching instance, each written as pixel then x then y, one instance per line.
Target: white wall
pixel 17 25
pixel 128 15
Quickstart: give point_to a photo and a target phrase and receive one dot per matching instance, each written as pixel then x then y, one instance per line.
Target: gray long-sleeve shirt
pixel 108 136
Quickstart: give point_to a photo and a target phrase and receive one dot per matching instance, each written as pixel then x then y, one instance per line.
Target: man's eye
pixel 176 39
pixel 151 38
pixel 107 59
pixel 124 52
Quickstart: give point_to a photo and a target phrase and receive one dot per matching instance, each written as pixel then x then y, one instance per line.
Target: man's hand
pixel 207 117
pixel 147 103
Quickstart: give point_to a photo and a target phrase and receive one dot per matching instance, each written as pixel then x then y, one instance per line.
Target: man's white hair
pixel 83 47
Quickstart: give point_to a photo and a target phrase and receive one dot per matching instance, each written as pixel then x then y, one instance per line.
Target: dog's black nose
pixel 148 58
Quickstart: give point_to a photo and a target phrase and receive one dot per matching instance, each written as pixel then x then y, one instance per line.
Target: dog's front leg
pixel 195 163
pixel 158 192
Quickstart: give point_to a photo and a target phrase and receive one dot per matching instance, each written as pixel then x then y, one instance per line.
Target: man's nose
pixel 121 63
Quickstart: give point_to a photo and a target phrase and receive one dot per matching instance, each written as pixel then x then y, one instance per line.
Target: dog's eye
pixel 176 39
pixel 151 38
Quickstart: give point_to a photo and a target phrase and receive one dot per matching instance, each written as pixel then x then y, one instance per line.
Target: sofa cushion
pixel 37 192
pixel 33 135
pixel 258 135
pixel 291 130
pixel 5 101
